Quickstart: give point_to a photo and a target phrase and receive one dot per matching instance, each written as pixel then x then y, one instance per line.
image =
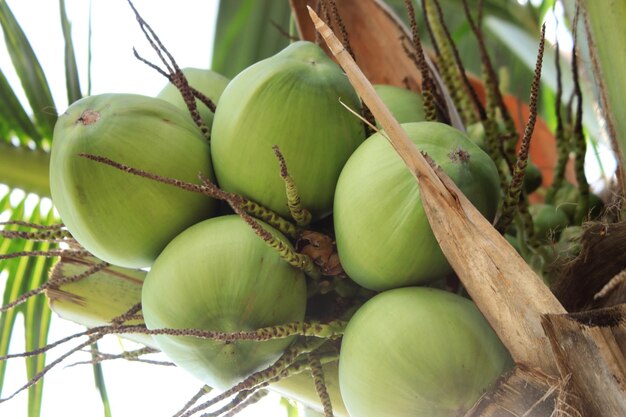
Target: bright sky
pixel 186 28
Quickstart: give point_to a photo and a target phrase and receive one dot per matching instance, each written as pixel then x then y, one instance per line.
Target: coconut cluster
pixel 211 269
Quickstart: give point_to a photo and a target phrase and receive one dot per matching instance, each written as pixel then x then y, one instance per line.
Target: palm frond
pixel 29 70
pixel 14 120
pixel 25 136
pixel 71 69
pixel 248 31
pixel 24 274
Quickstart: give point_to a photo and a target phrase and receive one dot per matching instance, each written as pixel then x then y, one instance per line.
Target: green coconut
pixel 418 352
pixel 567 198
pixel 532 178
pixel 206 81
pixel 476 133
pixel 121 218
pixel 383 237
pixel 294 100
pixel 219 275
pixel 405 105
pixel 548 220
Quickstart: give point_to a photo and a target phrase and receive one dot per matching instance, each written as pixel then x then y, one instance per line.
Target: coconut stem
pixel 174 74
pixel 502 146
pixel 261 378
pixel 293 258
pixel 26 169
pixel 44 235
pixel 240 399
pixel 562 139
pixel 300 214
pixel 47 253
pixel 580 144
pixel 201 393
pixel 252 399
pixel 32 225
pixel 449 61
pixel 515 189
pixel 132 356
pixel 40 375
pixel 429 91
pixel 330 330
pixel 320 385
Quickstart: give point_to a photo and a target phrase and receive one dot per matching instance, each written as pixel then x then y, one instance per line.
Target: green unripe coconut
pixel 383 237
pixel 208 82
pixel 121 218
pixel 569 244
pixel 418 352
pixel 219 275
pixel 292 100
pixel 476 133
pixel 548 220
pixel 513 241
pixel 532 178
pixel 405 105
pixel 567 198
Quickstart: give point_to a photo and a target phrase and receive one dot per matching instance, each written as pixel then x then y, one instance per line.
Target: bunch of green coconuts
pixel 410 350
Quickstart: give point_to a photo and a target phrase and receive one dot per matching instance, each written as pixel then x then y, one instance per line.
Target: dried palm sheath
pixel 383 57
pixel 508 292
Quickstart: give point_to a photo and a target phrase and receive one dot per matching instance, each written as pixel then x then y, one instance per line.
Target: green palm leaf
pixel 24 275
pixel 27 169
pixel 13 118
pixel 29 70
pixel 248 31
pixel 71 69
pixel 12 286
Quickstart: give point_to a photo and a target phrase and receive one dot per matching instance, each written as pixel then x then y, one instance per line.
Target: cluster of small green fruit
pixel 408 350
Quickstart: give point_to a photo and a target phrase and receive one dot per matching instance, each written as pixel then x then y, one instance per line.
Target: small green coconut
pixel 383 236
pixel 567 198
pixel 294 99
pixel 476 133
pixel 208 82
pixel 418 352
pixel 549 221
pixel 121 218
pixel 405 105
pixel 532 178
pixel 219 275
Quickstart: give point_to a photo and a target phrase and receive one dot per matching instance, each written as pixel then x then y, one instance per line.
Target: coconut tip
pixel 312 13
pixel 317 22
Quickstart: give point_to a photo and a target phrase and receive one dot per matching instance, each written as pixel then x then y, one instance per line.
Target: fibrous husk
pixel 581 281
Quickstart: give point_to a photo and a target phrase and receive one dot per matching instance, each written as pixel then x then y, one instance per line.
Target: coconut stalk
pixel 23 168
pixel 99 298
pixel 507 291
